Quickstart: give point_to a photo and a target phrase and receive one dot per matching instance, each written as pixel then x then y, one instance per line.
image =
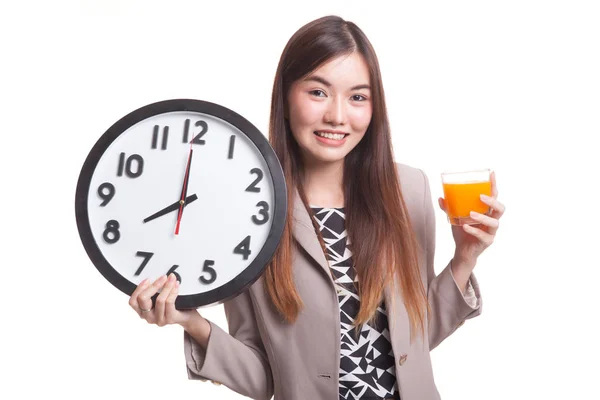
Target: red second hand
pixel 182 201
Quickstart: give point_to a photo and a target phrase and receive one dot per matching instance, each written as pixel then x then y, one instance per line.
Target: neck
pixel 323 184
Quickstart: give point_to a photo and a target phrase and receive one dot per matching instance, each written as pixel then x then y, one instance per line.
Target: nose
pixel 336 112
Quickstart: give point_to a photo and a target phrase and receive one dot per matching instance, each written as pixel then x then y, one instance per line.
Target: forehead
pixel 345 70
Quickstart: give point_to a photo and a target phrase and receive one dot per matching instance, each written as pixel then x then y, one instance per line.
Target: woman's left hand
pixel 472 240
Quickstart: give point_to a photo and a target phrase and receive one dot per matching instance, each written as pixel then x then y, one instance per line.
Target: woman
pixel 350 306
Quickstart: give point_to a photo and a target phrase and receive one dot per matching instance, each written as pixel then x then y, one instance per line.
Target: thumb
pixel 442 204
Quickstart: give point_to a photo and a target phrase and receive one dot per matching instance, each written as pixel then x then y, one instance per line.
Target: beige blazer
pixel 262 356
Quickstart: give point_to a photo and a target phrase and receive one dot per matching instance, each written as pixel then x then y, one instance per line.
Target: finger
pixel 159 308
pixel 170 310
pixel 144 299
pixel 491 223
pixel 139 288
pixel 496 206
pixel 133 299
pixel 494 186
pixel 484 237
pixel 442 204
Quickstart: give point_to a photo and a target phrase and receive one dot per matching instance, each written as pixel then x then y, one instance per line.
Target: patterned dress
pixel 367 368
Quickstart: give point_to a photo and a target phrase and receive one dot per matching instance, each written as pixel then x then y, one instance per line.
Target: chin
pixel 326 158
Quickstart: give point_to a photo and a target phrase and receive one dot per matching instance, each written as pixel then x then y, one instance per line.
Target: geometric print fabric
pixel 367 368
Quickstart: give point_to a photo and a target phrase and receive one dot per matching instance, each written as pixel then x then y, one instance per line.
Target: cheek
pixel 360 118
pixel 304 113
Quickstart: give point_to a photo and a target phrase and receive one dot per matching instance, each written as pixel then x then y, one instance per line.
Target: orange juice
pixel 462 198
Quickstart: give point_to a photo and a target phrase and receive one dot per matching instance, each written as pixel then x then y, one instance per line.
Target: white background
pixel 510 85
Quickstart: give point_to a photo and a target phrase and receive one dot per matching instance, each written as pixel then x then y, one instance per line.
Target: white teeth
pixel 334 136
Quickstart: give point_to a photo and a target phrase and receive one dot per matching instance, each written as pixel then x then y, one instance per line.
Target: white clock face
pixel 228 211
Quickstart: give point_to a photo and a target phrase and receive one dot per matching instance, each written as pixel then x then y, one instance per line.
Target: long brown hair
pixel 381 238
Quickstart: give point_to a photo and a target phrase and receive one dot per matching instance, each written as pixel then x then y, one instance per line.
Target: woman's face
pixel 330 109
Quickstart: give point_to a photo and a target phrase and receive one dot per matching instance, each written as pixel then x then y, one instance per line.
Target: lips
pixel 339 141
pixel 333 135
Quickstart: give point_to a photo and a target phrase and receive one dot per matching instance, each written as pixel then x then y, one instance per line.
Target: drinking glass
pixel 462 190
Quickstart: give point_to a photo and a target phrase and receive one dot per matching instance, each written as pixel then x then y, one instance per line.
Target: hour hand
pixel 171 208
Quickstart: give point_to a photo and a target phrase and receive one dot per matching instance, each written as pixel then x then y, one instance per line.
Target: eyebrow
pixel 325 82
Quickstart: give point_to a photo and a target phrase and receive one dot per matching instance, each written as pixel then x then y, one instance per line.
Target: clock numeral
pixel 186 131
pixel 106 197
pixel 111 232
pixel 231 146
pixel 263 212
pixel 196 139
pixel 211 272
pixel 165 137
pixel 127 165
pixel 177 276
pixel 252 187
pixel 147 256
pixel 243 248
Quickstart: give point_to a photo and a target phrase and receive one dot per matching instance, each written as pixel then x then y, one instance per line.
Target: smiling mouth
pixel 333 136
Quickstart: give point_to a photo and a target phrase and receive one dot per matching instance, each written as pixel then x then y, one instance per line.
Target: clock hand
pixel 184 189
pixel 171 208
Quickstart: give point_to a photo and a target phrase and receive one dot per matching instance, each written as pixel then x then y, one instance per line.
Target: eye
pixel 317 93
pixel 359 97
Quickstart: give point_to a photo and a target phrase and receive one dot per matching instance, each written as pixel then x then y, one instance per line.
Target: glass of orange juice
pixel 462 190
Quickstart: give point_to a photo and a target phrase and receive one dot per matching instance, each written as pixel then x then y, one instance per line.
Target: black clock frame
pixel 247 277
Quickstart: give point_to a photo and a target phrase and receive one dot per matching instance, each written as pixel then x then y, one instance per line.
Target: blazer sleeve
pixel 236 359
pixel 449 306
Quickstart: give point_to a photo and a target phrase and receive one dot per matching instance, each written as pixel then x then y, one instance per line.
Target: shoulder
pixel 414 185
pixel 416 193
pixel 409 172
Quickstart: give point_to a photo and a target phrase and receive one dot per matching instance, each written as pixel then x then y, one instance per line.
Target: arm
pixel 238 358
pixel 449 306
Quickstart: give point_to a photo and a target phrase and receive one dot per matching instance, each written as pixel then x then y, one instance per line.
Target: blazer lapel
pixel 305 234
pixel 306 237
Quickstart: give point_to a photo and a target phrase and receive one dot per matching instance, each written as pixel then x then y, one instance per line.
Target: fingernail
pixel 484 197
pixel 144 282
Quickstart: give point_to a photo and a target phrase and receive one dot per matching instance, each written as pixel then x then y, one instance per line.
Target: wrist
pixel 463 264
pixel 194 319
pixel 198 328
pixel 461 272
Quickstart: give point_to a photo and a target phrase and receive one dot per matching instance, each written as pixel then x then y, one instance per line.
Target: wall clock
pixel 183 186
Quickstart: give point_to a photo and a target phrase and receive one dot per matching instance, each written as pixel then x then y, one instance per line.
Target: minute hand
pixel 184 189
pixel 171 208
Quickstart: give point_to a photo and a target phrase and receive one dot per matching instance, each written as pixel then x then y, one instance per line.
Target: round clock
pixel 182 186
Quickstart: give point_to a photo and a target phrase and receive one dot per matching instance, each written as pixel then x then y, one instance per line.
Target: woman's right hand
pixel 164 312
